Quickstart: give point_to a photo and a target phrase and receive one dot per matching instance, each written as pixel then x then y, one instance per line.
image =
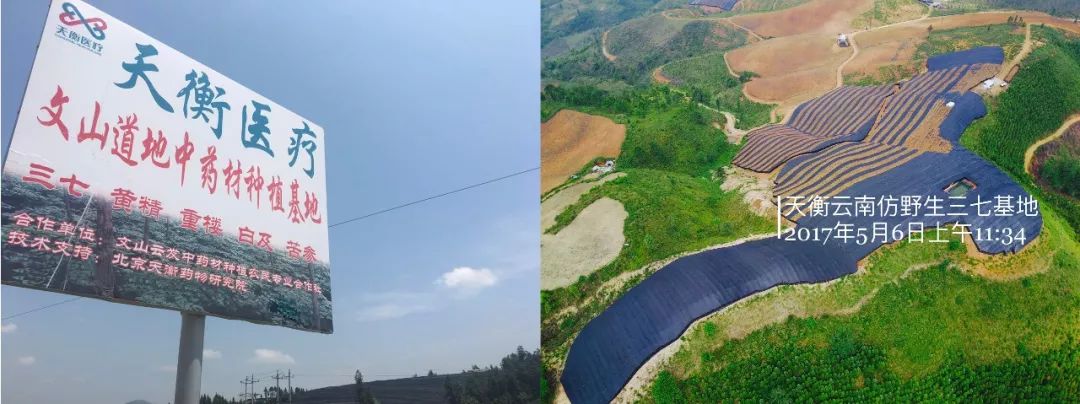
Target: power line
pixel 378 212
pixel 69 300
pixel 434 197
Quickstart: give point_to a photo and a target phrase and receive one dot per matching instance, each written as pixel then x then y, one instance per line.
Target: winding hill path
pixel 1029 154
pixel 659 77
pixel 735 135
pixel 748 31
pixel 840 69
pixel 603 47
pixel 1024 51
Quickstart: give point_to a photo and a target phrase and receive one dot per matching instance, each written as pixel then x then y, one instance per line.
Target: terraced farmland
pixel 841 115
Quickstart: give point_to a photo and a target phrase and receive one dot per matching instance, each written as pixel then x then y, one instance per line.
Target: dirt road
pixel 1030 152
pixel 603 47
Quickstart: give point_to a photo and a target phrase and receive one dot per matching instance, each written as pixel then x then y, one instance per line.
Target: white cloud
pixel 27 360
pixel 211 354
pixel 8 328
pixel 166 368
pixel 391 305
pixel 270 356
pixel 388 311
pixel 467 280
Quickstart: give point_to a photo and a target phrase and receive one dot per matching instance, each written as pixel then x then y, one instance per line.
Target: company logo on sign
pixel 72 17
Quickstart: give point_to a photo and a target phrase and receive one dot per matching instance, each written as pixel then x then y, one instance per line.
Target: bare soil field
pixel 894 46
pixel 571 139
pixel 817 16
pixel 555 204
pixel 795 67
pixel 591 241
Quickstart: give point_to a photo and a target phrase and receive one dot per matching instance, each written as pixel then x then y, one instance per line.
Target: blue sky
pixel 416 98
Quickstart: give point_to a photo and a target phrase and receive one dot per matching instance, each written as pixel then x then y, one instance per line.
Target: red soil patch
pixel 894 46
pixel 570 140
pixel 659 77
pixel 791 68
pixel 820 16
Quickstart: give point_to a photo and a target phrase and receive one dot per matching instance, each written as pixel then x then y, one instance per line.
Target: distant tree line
pixel 515 380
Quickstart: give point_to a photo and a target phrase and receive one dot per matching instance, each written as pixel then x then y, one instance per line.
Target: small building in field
pixel 604 167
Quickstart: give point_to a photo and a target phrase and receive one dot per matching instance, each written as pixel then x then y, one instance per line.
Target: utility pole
pixel 249 381
pixel 245 384
pixel 253 381
pixel 277 386
pixel 289 379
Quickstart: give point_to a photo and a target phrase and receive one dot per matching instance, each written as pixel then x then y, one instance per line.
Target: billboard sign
pixel 138 175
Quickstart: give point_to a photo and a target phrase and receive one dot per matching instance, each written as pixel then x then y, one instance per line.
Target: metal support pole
pixel 189 359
